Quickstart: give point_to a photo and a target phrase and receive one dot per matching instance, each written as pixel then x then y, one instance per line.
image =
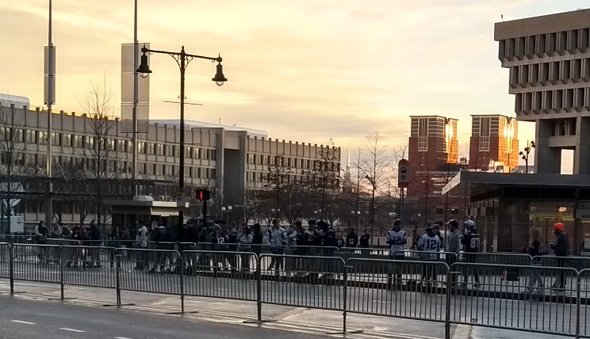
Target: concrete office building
pixel 548 58
pixel 493 142
pixel 549 74
pixel 228 159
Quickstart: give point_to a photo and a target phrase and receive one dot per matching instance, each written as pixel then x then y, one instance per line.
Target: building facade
pixel 493 145
pixel 548 58
pixel 433 161
pixel 227 159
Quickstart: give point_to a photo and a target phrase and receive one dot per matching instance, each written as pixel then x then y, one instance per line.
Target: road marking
pixel 122 338
pixel 72 330
pixel 23 322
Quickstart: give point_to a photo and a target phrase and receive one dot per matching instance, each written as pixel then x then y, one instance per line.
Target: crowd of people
pixel 317 239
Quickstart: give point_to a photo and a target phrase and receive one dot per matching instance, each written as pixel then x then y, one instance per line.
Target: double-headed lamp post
pixel 182 59
pixel 525 154
pixel 226 210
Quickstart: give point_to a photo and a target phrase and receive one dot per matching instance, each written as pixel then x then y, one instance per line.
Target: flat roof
pixel 542 24
pixel 481 182
pixel 493 115
pixel 432 116
pixel 201 124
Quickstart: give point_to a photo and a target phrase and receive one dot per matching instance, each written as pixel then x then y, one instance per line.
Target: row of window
pixel 277 160
pixel 563 70
pixel 20 135
pixel 545 43
pixel 69 165
pixel 265 177
pixel 556 99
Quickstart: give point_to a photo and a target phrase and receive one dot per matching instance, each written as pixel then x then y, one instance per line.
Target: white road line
pixel 23 322
pixel 72 330
pixel 122 338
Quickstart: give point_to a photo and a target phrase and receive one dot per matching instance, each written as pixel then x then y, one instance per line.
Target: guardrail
pixel 516 297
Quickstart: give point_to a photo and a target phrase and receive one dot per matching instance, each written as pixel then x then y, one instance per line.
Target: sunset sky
pixel 306 70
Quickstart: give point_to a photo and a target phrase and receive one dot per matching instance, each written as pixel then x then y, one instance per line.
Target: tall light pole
pixel 525 154
pixel 49 100
pixel 135 98
pixel 182 59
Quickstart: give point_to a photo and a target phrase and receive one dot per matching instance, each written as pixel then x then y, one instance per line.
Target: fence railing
pixel 533 297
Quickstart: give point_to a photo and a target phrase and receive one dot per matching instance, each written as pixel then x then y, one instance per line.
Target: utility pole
pixel 49 100
pixel 135 99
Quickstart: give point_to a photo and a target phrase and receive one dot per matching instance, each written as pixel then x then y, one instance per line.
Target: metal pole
pixel 49 207
pixel 259 288
pixel 205 213
pixel 448 304
pixel 61 273
pixel 345 297
pixel 118 277
pixel 135 97
pixel 402 207
pixel 181 169
pixel 11 268
pixel 578 306
pixel 181 275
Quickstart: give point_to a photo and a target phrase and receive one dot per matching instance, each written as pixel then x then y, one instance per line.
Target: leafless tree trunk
pixel 376 171
pixel 99 147
pixel 10 153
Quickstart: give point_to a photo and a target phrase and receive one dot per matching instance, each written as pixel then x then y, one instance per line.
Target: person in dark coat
pixel 352 239
pixel 561 249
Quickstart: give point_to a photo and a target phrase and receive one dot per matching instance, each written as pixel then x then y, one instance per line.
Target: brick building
pixel 494 141
pixel 433 160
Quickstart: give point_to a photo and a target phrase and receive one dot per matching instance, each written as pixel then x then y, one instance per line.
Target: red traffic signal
pixel 203 195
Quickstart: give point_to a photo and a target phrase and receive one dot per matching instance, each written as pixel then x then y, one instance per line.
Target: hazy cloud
pixel 302 70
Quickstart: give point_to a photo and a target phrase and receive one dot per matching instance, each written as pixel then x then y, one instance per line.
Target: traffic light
pixel 403 177
pixel 203 195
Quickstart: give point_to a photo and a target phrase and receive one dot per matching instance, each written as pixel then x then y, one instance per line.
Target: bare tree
pixel 323 181
pixel 99 146
pixel 11 156
pixel 376 171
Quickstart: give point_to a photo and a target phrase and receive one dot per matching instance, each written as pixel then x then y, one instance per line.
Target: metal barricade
pixel 584 305
pixel 5 260
pixel 36 262
pixel 278 286
pixel 18 238
pixel 220 274
pixel 359 252
pixel 537 299
pixel 150 270
pixel 398 288
pixel 448 257
pixel 207 246
pixel 578 263
pixel 496 258
pixel 89 266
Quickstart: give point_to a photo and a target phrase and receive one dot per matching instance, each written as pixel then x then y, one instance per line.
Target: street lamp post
pixel 226 210
pixel 182 59
pixel 525 154
pixel 276 212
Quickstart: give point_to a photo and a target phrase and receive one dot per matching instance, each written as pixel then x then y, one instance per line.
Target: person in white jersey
pixel 429 244
pixel 396 239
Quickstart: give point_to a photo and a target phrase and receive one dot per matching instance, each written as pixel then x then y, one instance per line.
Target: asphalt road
pixel 32 319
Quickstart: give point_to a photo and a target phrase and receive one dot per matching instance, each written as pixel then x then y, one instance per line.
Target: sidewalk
pixel 295 319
